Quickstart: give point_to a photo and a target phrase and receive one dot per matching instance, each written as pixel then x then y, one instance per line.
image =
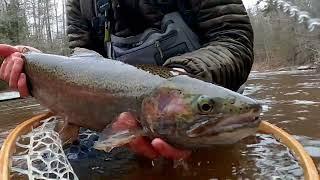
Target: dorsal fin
pixel 161 71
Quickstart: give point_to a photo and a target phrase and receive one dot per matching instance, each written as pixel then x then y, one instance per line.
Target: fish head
pixel 191 113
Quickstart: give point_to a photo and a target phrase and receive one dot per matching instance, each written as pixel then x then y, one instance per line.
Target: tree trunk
pixel 56 15
pixel 40 24
pixel 64 18
pixel 48 26
pixel 35 24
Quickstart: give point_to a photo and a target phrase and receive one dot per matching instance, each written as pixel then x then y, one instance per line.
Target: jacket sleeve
pixel 226 35
pixel 79 28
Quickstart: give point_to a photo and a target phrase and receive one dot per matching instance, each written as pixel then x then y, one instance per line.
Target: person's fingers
pixel 8 69
pixel 167 151
pixel 125 121
pixel 3 68
pixel 22 85
pixel 140 145
pixel 15 73
pixel 11 60
pixel 7 50
pixel 143 147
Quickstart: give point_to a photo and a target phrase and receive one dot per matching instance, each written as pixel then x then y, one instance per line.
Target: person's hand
pixel 142 146
pixel 11 69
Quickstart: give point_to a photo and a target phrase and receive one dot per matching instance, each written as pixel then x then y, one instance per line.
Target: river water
pixel 290 99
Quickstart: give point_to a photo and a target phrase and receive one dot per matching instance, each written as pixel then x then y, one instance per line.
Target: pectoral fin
pixel 67 132
pixel 110 139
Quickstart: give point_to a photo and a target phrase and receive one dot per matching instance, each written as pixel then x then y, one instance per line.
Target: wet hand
pixel 142 146
pixel 11 69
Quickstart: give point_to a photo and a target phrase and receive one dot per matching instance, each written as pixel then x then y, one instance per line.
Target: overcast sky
pixel 249 3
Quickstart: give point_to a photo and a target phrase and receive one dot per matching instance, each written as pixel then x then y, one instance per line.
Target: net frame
pixel 9 146
pixel 309 168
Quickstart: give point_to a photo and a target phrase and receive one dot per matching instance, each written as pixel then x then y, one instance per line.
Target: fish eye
pixel 205 104
pixel 206 107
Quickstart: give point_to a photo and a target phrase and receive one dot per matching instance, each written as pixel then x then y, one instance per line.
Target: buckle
pixel 103 5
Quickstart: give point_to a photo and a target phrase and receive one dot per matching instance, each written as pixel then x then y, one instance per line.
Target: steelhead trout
pixel 91 91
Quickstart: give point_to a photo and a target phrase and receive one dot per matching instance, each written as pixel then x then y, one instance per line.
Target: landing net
pixel 33 150
pixel 302 17
pixel 40 154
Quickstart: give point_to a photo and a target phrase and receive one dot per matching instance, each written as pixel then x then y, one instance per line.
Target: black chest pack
pixel 153 46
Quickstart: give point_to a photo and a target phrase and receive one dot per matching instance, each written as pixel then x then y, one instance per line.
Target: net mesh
pixel 40 155
pixel 300 16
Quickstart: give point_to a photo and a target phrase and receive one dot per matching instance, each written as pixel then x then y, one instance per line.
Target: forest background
pixel 279 40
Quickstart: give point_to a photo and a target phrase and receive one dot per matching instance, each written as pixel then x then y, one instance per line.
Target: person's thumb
pixel 24 49
pixel 7 50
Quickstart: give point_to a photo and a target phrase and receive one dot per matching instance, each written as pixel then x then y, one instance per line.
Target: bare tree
pixel 47 18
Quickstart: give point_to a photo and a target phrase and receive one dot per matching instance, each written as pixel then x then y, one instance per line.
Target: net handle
pixel 9 144
pixel 309 169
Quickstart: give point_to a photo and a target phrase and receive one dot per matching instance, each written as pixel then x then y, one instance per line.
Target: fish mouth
pixel 217 125
pixel 233 123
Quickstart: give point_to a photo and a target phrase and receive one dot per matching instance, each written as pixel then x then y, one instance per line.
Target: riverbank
pixel 265 67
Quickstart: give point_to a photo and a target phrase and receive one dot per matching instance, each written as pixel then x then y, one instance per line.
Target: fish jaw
pixel 219 139
pixel 224 131
pixel 212 126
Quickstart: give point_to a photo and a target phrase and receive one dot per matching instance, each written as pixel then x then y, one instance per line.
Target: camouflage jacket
pixel 223 26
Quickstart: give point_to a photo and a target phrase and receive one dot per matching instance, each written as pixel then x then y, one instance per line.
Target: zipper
pixel 157 45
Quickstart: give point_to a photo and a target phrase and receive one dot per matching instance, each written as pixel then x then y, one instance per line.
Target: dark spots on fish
pixel 163 72
pixel 231 110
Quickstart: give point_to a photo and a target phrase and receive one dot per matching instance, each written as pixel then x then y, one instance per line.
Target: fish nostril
pixel 256 108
